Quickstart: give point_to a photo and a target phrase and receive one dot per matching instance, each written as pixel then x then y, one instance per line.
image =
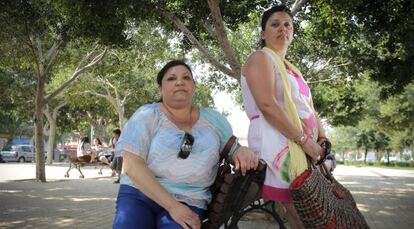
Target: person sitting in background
pixel 102 151
pixel 85 153
pixel 98 146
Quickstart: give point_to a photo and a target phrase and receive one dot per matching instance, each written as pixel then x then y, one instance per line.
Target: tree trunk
pixel 40 157
pixel 378 155
pixel 100 131
pixel 388 157
pixel 365 155
pixel 42 99
pixel 99 126
pixel 51 141
pixel 51 118
pixel 121 115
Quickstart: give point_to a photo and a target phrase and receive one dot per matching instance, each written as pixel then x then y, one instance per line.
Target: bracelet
pixel 306 140
pixel 302 139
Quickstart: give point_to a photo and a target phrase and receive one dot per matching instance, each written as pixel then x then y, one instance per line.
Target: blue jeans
pixel 135 210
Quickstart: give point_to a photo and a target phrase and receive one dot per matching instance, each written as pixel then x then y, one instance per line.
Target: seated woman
pixel 101 151
pixel 98 146
pixel 85 153
pixel 171 151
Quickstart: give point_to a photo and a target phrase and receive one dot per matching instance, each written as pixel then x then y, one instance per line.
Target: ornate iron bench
pixel 238 196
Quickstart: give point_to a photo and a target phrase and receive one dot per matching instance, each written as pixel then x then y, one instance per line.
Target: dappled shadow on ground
pixel 57 204
pixel 386 202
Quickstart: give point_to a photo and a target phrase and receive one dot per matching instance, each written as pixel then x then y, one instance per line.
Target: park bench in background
pixel 75 163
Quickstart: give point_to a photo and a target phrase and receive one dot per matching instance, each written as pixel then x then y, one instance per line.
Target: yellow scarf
pixel 298 162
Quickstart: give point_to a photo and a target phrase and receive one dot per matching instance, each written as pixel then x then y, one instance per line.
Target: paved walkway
pixel 384 196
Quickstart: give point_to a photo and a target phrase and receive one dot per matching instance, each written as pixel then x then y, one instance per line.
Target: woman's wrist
pixel 298 137
pixel 301 139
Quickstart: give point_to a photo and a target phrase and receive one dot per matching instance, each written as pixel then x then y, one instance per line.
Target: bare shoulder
pixel 257 60
pixel 255 56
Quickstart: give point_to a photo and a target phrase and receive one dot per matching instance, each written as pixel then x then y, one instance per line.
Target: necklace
pixel 174 119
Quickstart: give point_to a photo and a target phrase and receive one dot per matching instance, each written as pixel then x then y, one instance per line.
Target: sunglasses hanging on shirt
pixel 186 146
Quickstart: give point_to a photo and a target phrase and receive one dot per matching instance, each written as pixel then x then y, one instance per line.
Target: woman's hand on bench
pixel 245 159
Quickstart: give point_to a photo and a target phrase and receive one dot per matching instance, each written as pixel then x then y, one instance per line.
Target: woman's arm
pixel 89 149
pixel 136 169
pixel 321 130
pixel 260 79
pixel 245 159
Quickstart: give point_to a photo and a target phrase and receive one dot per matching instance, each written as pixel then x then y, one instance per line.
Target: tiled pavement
pixel 384 196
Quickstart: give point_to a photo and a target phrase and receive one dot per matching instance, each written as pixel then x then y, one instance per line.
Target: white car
pixel 19 153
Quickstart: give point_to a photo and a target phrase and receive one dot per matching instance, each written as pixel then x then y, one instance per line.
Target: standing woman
pixel 283 124
pixel 115 160
pixel 171 153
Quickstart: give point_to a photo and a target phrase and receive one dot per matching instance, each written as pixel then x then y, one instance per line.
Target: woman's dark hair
pixel 99 141
pixel 266 15
pixel 169 65
pixel 83 141
pixel 117 132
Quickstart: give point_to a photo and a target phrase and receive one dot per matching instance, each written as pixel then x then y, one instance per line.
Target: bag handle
pixel 326 145
pixel 225 152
